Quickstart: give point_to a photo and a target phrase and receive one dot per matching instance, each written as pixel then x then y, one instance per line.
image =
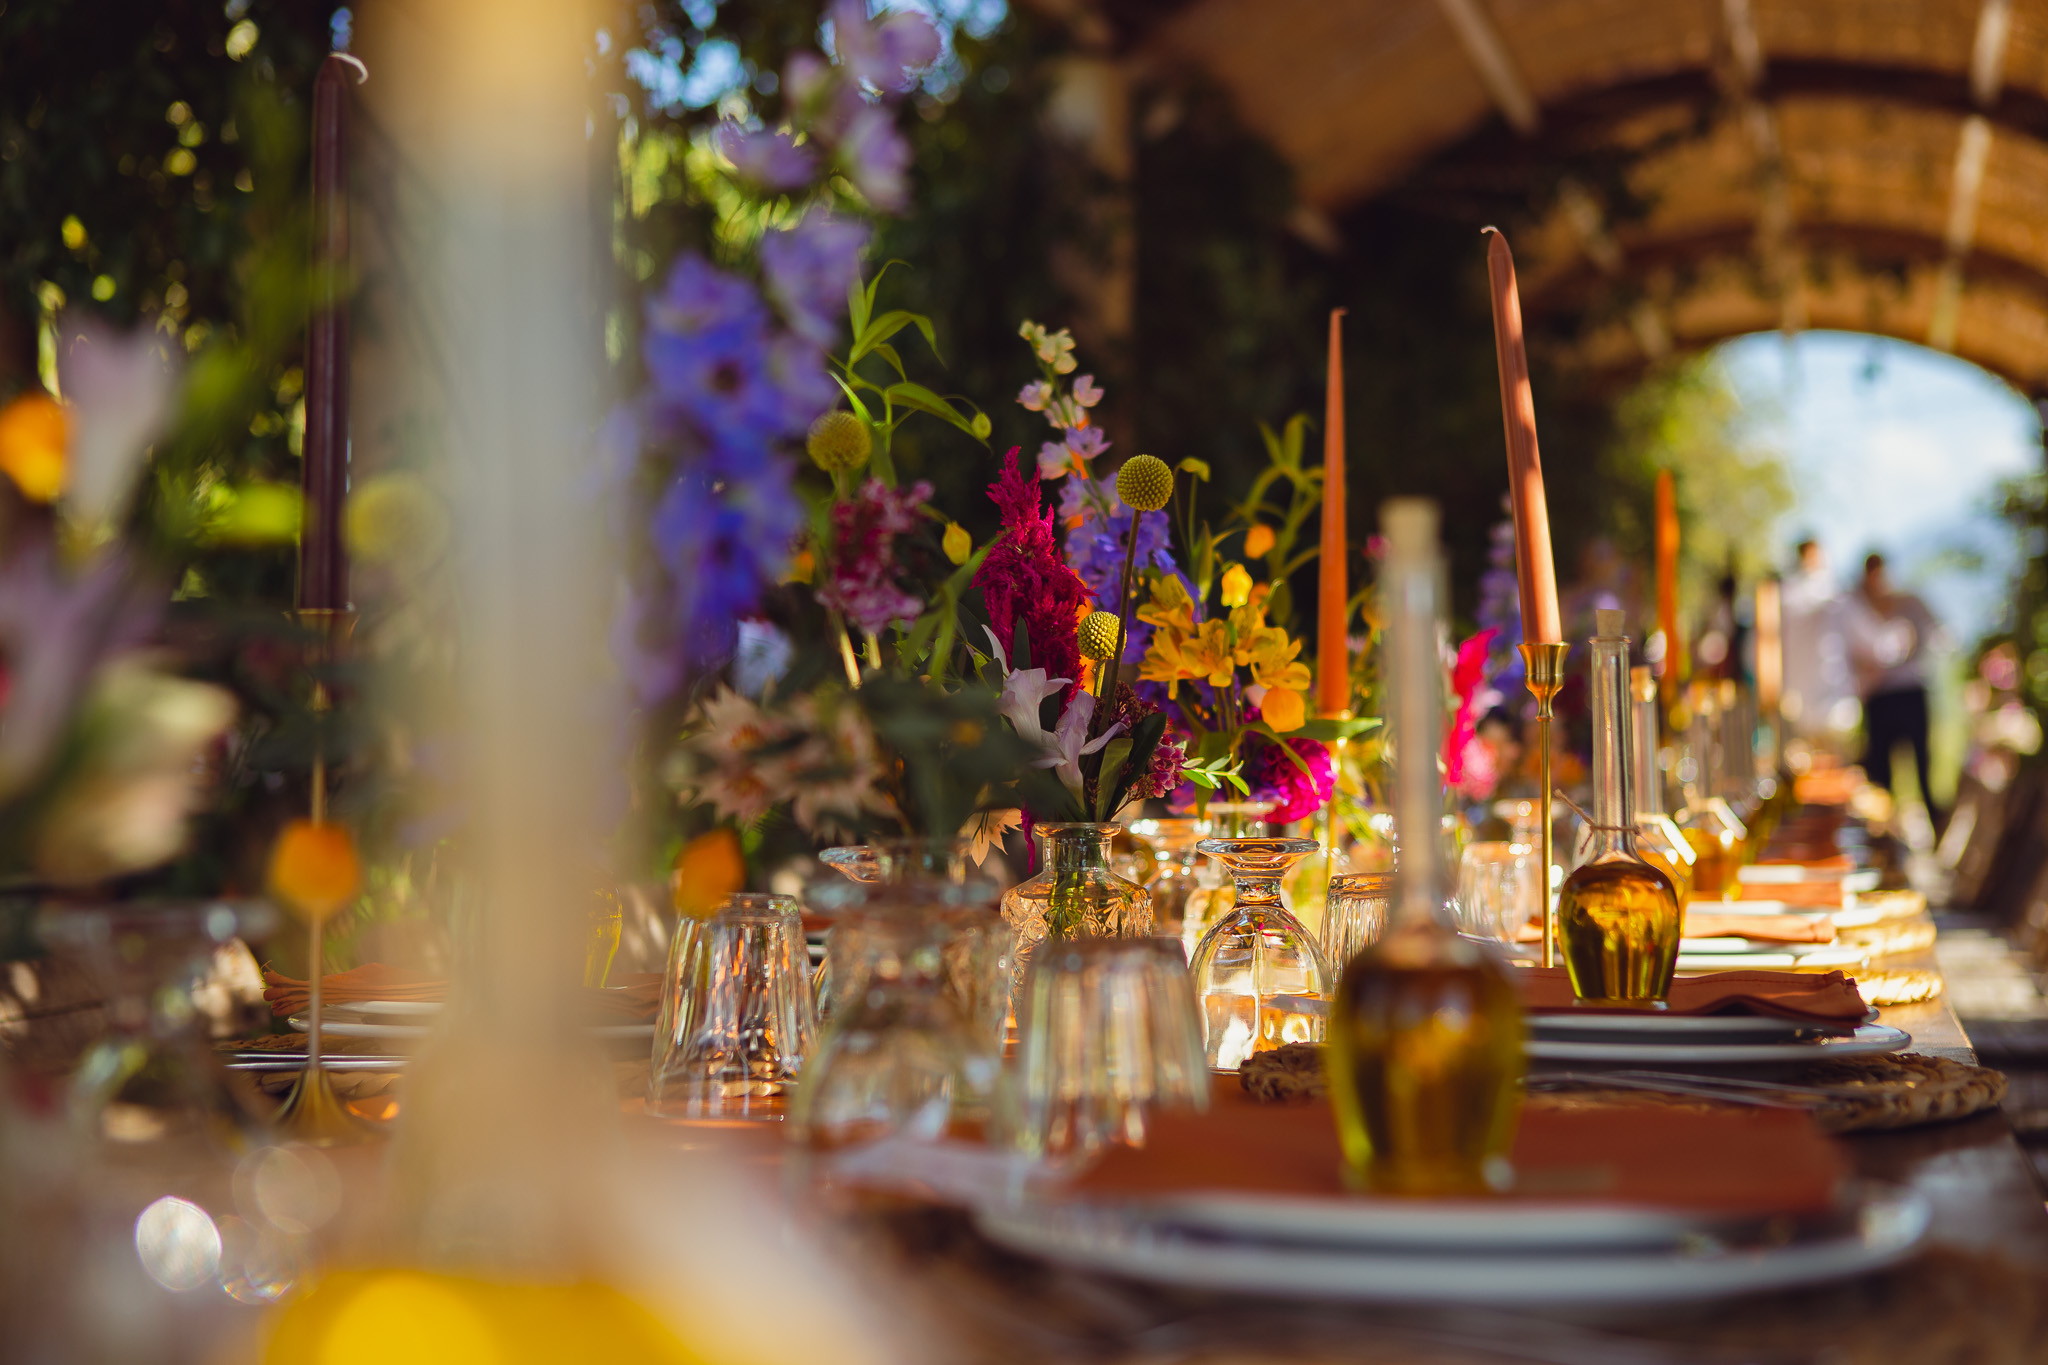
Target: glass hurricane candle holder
pixel 1258 968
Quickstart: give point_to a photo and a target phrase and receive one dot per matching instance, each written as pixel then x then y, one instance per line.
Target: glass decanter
pixel 1259 974
pixel 1618 918
pixel 1075 894
pixel 1660 843
pixel 1717 836
pixel 1425 1056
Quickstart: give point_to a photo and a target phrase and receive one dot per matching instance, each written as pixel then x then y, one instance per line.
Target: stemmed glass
pixel 1258 971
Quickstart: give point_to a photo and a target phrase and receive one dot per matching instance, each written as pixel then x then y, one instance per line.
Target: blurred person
pixel 1817 688
pixel 1891 636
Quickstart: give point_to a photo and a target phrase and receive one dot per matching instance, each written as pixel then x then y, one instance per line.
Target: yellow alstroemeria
pixel 1170 608
pixel 1236 586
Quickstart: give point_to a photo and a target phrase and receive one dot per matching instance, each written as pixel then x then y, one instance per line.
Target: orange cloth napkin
pixel 1762 928
pixel 636 997
pixel 1740 1162
pixel 1824 999
pixel 1822 895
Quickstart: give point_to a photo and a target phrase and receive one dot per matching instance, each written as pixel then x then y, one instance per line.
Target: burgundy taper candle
pixel 323 559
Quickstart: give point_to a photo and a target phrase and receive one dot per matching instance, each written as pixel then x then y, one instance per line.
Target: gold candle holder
pixel 1544 664
pixel 312 1112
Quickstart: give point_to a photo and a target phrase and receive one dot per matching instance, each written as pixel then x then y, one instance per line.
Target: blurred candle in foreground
pixel 1333 651
pixel 1536 572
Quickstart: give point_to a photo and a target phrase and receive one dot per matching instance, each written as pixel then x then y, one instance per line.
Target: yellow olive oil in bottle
pixel 1716 835
pixel 1425 1036
pixel 1618 918
pixel 1661 843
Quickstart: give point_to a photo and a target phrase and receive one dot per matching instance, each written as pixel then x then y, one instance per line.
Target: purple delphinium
pixel 886 52
pixel 1095 550
pixel 808 269
pixel 1500 610
pixel 862 584
pixel 771 160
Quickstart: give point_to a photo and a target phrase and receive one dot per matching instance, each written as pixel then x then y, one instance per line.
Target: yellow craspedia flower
pixel 32 435
pixel 1144 483
pixel 708 869
pixel 840 441
pixel 1098 634
pixel 1258 542
pixel 314 869
pixel 957 543
pixel 1237 586
pixel 396 520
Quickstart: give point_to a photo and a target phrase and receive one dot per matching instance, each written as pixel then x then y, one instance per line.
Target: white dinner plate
pixel 1887 1224
pixel 406 1009
pixel 1871 1040
pixel 344 1028
pixel 1489 1225
pixel 1741 954
pixel 1652 1027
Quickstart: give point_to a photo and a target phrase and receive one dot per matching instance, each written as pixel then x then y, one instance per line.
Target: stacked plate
pixel 401 1019
pixel 1701 1040
pixel 1496 1252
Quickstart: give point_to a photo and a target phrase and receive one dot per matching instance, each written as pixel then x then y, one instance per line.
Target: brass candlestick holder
pixel 312 1112
pixel 1544 664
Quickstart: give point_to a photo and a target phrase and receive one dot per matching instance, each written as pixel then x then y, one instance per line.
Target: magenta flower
pixel 1025 580
pixel 1274 777
pixel 862 586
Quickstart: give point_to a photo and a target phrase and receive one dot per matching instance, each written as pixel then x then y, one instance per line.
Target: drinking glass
pixel 899 1056
pixel 1257 970
pixel 736 1024
pixel 1497 893
pixel 1356 915
pixel 1175 866
pixel 1107 1036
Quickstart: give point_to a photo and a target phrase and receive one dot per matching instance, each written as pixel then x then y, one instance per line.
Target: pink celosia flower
pixel 1025 578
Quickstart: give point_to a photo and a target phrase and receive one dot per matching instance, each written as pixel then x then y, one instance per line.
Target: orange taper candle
pixel 1333 644
pixel 1667 581
pixel 1536 573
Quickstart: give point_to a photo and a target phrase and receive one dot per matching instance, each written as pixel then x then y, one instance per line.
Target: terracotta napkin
pixel 1762 928
pixel 636 997
pixel 1824 999
pixel 1823 895
pixel 1738 1162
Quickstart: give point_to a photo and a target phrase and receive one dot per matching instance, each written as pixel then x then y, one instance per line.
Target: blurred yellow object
pixel 1258 542
pixel 412 1317
pixel 396 520
pixel 32 438
pixel 257 514
pixel 313 868
pixel 709 868
pixel 958 544
pixel 603 922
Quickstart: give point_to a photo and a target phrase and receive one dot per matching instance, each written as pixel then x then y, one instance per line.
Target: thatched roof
pixel 1877 165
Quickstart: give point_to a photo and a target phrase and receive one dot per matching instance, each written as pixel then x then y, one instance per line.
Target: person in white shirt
pixel 1819 694
pixel 1891 635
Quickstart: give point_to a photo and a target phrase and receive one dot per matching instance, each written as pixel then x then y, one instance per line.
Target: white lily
pixel 119 387
pixel 1068 747
pixel 1024 692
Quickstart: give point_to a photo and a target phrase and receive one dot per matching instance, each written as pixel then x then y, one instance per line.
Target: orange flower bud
pixel 314 869
pixel 708 869
pixel 32 434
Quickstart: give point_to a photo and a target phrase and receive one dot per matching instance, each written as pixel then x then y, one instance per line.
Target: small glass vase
pixel 1258 969
pixel 1075 894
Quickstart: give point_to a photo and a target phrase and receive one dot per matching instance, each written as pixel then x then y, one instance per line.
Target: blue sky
pixel 1897 448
